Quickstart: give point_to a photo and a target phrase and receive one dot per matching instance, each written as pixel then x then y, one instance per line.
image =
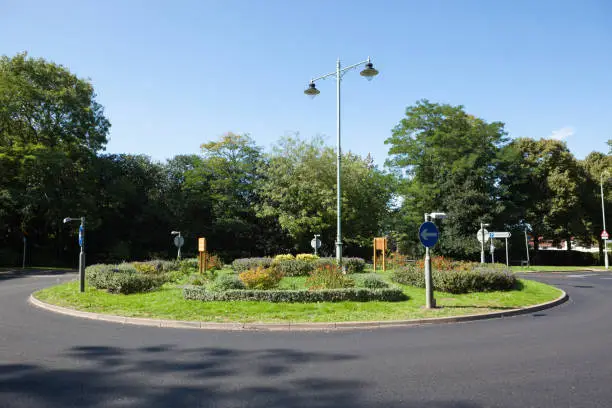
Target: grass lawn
pixel 168 303
pixel 545 268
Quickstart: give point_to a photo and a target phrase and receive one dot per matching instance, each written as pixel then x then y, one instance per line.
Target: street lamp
pixel 368 72
pixel 82 245
pixel 178 241
pixel 603 216
pixel 430 302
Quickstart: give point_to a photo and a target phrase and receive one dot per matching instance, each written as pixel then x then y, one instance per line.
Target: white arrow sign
pixel 425 234
pixel 500 235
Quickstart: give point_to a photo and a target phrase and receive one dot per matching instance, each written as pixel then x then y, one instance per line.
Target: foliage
pixel 372 281
pixel 353 265
pixel 397 260
pixel 261 278
pixel 294 267
pixel 480 279
pixel 156 266
pixel 306 257
pixel 226 282
pixel 297 296
pixel 244 264
pixel 328 277
pixel 283 257
pixel 123 279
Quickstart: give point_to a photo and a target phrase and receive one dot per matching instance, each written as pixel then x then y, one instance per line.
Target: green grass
pixel 168 303
pixel 545 268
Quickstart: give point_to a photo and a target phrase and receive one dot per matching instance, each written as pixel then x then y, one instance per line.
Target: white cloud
pixel 561 134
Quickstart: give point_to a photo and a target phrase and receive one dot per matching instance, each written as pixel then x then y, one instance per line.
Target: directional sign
pixel 500 235
pixel 604 234
pixel 81 233
pixel 179 241
pixel 479 235
pixel 428 234
pixel 315 243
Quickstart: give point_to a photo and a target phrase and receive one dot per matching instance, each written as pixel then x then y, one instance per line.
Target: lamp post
pixel 82 254
pixel 430 301
pixel 178 242
pixel 603 216
pixel 368 72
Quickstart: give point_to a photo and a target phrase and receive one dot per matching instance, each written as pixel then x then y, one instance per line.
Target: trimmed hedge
pixel 226 282
pixel 122 279
pixel 244 264
pixel 480 279
pixel 372 281
pixel 294 267
pixel 296 296
pixel 353 265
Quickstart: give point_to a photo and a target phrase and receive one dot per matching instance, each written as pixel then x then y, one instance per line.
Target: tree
pixel 300 191
pixel 449 161
pixel 594 166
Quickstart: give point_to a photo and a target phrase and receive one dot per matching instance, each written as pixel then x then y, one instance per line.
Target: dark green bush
pixel 226 282
pixel 372 281
pixel 122 279
pixel 352 265
pixel 328 277
pixel 477 280
pixel 297 296
pixel 294 267
pixel 244 264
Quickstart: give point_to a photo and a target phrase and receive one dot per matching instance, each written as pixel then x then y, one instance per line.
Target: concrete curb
pixel 177 324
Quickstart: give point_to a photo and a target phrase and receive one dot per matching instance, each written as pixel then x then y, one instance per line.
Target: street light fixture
pixel 430 301
pixel 603 216
pixel 82 245
pixel 368 72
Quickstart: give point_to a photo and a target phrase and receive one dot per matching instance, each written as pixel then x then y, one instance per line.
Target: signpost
pixel 504 235
pixel 428 235
pixel 178 242
pixel 482 236
pixel 604 235
pixel 315 243
pixel 380 244
pixel 82 254
pixel 202 254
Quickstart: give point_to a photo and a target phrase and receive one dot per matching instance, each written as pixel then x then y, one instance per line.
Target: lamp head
pixel 67 219
pixel 175 232
pixel 312 90
pixel 369 72
pixel 438 215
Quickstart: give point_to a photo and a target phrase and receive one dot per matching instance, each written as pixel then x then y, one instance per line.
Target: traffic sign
pixel 315 243
pixel 428 234
pixel 179 241
pixel 480 233
pixel 500 235
pixel 81 233
pixel 604 234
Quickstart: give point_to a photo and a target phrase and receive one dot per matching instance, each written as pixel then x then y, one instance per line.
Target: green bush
pixel 244 264
pixel 260 278
pixel 226 282
pixel 294 267
pixel 122 279
pixel 480 279
pixel 197 279
pixel 352 265
pixel 328 277
pixel 283 257
pixel 156 266
pixel 296 296
pixel 372 281
pixel 307 257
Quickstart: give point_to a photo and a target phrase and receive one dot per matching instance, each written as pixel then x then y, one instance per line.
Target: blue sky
pixel 173 75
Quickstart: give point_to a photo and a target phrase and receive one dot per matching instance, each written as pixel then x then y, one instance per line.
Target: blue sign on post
pixel 81 231
pixel 428 234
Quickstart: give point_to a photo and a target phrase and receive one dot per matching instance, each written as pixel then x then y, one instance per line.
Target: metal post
pixel 430 302
pixel 82 256
pixel 507 262
pixel 178 255
pixel 482 251
pixel 603 215
pixel 338 171
pixel 24 252
pixel 527 247
pixel 492 252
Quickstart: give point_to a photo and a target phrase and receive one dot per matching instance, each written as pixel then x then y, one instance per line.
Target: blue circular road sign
pixel 428 234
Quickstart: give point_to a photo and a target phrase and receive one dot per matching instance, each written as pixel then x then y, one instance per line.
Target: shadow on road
pixel 164 376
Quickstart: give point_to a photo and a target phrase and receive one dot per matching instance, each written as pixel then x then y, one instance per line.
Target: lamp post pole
pixel 82 253
pixel 369 72
pixel 430 301
pixel 603 216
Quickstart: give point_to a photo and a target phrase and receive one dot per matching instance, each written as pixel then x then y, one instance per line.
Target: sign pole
pixel 482 251
pixel 430 302
pixel 507 262
pixel 527 247
pixel 492 252
pixel 82 255
pixel 24 252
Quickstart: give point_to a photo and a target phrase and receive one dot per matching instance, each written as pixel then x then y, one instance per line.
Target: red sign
pixel 604 234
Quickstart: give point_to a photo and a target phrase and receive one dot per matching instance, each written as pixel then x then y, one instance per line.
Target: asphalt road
pixel 560 357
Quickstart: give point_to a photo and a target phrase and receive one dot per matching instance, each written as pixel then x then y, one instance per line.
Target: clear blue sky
pixel 175 74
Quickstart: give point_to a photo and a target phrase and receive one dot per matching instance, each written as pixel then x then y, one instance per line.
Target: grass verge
pixel 168 303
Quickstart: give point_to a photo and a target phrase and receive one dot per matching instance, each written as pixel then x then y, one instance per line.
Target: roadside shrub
pixel 373 281
pixel 156 266
pixel 307 257
pixel 197 280
pixel 261 278
pixel 328 277
pixel 244 264
pixel 283 257
pixel 354 265
pixel 294 267
pixel 397 260
pixel 189 263
pixel 458 281
pixel 297 296
pixel 122 279
pixel 226 282
pixel 213 262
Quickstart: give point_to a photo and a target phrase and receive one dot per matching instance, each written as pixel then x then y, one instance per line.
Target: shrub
pixel 328 277
pixel 294 267
pixel 226 282
pixel 244 264
pixel 373 281
pixel 307 257
pixel 397 260
pixel 283 257
pixel 156 266
pixel 122 279
pixel 480 279
pixel 197 279
pixel 261 278
pixel 353 265
pixel 297 296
